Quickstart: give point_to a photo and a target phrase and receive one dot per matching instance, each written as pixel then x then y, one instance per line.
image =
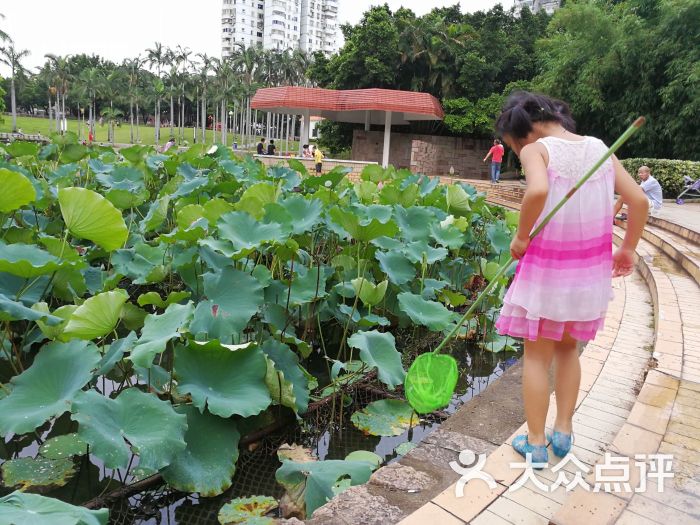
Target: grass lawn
pixel 34 125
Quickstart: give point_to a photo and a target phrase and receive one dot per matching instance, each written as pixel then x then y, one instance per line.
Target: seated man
pixel 652 189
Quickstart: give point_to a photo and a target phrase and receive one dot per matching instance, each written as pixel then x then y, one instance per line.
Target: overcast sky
pixel 117 29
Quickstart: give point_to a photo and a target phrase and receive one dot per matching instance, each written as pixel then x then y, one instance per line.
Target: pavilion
pixel 385 107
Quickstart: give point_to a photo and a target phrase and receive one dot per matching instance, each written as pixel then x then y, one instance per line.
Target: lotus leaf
pixel 366 456
pixel 134 422
pixel 157 212
pixel 115 353
pixel 427 313
pixel 244 510
pixel 378 350
pixel 62 447
pixel 97 316
pixel 448 236
pixel 397 267
pixel 226 379
pixel 255 198
pixel 391 194
pixel 313 482
pixel 457 200
pixel 281 390
pixel 430 382
pixel 153 298
pixel 14 310
pixel 374 228
pixel 405 448
pixel 73 153
pixel 63 312
pixel 208 463
pixel 21 148
pixel 500 237
pixel 88 215
pixel 369 293
pixel 31 473
pixel 215 208
pixel 46 388
pixel 309 286
pixel 245 234
pixel 298 167
pixel 304 213
pixel 415 222
pixel 286 363
pixel 143 263
pixel 17 190
pixel 418 251
pixel 32 509
pixel 158 330
pixel 386 417
pixel 28 261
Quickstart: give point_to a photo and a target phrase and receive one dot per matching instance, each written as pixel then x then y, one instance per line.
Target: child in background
pixel 318 159
pixel 562 285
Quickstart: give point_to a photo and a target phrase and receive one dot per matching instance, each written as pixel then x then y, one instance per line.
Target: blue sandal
pixel 539 456
pixel 561 443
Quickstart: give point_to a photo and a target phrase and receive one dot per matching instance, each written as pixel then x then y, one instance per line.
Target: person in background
pixel 261 146
pixel 496 154
pixel 271 148
pixel 650 187
pixel 306 152
pixel 318 159
pixel 169 144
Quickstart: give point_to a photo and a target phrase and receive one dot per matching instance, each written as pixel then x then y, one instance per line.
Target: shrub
pixel 668 172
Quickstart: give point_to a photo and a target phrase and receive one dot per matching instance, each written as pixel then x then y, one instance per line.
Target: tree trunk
pixel 204 117
pixel 14 104
pixel 64 121
pixel 131 119
pixel 172 115
pixel 138 132
pixel 157 122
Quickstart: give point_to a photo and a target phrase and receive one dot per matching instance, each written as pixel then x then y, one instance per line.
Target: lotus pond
pixel 193 330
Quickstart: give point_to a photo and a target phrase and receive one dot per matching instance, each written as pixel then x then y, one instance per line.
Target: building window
pixel 259 35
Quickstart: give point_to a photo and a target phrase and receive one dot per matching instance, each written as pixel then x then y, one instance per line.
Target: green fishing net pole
pixel 432 378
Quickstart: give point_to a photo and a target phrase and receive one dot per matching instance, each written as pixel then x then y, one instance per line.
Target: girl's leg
pixel 567 379
pixel 538 359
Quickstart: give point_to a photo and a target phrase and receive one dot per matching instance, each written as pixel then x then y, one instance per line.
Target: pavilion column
pixel 305 130
pixel 387 139
pixel 367 120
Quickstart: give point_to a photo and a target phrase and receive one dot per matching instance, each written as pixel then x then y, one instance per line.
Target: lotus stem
pixel 616 145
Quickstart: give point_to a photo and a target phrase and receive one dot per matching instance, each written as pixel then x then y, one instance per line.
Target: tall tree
pixel 156 56
pixel 13 58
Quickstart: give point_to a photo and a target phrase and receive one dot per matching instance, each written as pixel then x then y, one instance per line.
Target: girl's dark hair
pixel 523 109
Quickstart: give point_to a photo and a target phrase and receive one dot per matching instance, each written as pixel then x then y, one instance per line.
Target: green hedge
pixel 669 173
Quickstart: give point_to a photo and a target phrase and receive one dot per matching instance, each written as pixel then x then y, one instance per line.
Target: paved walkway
pixel 640 394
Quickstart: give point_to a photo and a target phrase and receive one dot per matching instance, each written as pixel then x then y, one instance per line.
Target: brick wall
pixel 429 154
pixel 328 164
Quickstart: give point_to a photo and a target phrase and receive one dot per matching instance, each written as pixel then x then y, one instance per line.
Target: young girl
pixel 562 285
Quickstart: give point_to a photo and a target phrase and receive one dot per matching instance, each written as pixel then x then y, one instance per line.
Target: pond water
pixel 258 462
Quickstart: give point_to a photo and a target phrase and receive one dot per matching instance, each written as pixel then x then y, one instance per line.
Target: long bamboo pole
pixel 504 268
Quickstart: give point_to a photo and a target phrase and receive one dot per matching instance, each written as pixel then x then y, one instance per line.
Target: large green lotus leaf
pixel 54 331
pixel 62 447
pixel 378 350
pixel 17 190
pixel 328 180
pixel 305 213
pixel 135 153
pixel 133 422
pixel 31 509
pixel 431 381
pixel 366 191
pixel 414 222
pixel 489 269
pixel 373 228
pixel 315 480
pixel 374 173
pixel 143 263
pixel 88 215
pixel 188 215
pixel 427 313
pixel 307 286
pixel 97 316
pixel 298 166
pixel 369 293
pixel 73 153
pixel 14 311
pixel 28 260
pixel 157 212
pixel 419 250
pixel 208 463
pixel 281 390
pixel 158 330
pixel 46 388
pixel 122 178
pixel 237 308
pixel 393 194
pixel 457 200
pixel 226 379
pixel 255 198
pixel 386 417
pixel 246 233
pixel 448 236
pixel 31 473
pixel 124 199
pixel 21 148
pixel 286 363
pixel 396 266
pixel 215 208
pixel 500 237
pixel 250 510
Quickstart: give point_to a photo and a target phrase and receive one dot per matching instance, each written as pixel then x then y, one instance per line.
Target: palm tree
pixel 112 87
pixel 91 78
pixel 4 36
pixel 205 68
pixel 157 57
pixel 132 68
pixel 11 57
pixel 62 76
